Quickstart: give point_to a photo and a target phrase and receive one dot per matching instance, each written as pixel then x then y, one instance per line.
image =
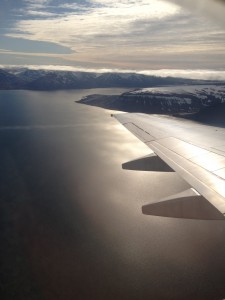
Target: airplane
pixel 195 151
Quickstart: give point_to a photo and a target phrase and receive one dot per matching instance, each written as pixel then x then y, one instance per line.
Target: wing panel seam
pixel 190 176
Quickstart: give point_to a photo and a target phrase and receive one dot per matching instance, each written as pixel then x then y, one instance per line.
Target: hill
pixel 23 78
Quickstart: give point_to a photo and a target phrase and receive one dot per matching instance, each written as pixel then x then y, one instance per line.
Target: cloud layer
pixel 212 9
pixel 138 34
pixel 187 73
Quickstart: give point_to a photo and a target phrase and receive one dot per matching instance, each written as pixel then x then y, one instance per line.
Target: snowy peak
pixel 10 81
pixel 182 100
pixel 204 94
pixel 55 80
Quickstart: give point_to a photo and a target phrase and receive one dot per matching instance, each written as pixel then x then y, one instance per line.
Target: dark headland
pixel 200 102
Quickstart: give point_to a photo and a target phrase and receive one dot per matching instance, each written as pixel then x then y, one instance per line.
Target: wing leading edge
pixel 196 152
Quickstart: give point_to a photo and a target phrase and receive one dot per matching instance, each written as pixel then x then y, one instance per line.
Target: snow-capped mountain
pixel 169 100
pixel 10 81
pixel 23 78
pixel 184 97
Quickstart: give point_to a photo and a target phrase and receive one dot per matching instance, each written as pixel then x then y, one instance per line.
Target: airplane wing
pixel 195 151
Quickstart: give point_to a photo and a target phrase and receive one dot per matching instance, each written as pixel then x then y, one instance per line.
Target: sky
pixel 106 34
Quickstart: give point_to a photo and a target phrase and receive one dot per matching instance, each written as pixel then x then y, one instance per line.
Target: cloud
pixel 3 51
pixel 36 13
pixel 131 34
pixel 36 4
pixel 185 73
pixel 212 9
pixel 106 19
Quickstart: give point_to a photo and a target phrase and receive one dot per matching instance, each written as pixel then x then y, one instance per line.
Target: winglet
pixel 147 163
pixel 188 205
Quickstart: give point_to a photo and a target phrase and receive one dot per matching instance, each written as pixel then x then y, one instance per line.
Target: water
pixel 71 222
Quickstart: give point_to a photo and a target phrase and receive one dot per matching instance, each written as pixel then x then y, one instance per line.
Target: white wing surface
pixel 195 151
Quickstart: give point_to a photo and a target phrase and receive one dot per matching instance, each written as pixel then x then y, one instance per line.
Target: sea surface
pixel 71 225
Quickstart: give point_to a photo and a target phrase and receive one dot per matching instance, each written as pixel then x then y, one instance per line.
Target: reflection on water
pixel 71 218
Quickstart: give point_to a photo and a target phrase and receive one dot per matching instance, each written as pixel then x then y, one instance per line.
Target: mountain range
pixel 24 78
pixel 182 100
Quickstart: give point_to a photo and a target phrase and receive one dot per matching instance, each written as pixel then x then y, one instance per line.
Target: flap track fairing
pixel 152 163
pixel 188 205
